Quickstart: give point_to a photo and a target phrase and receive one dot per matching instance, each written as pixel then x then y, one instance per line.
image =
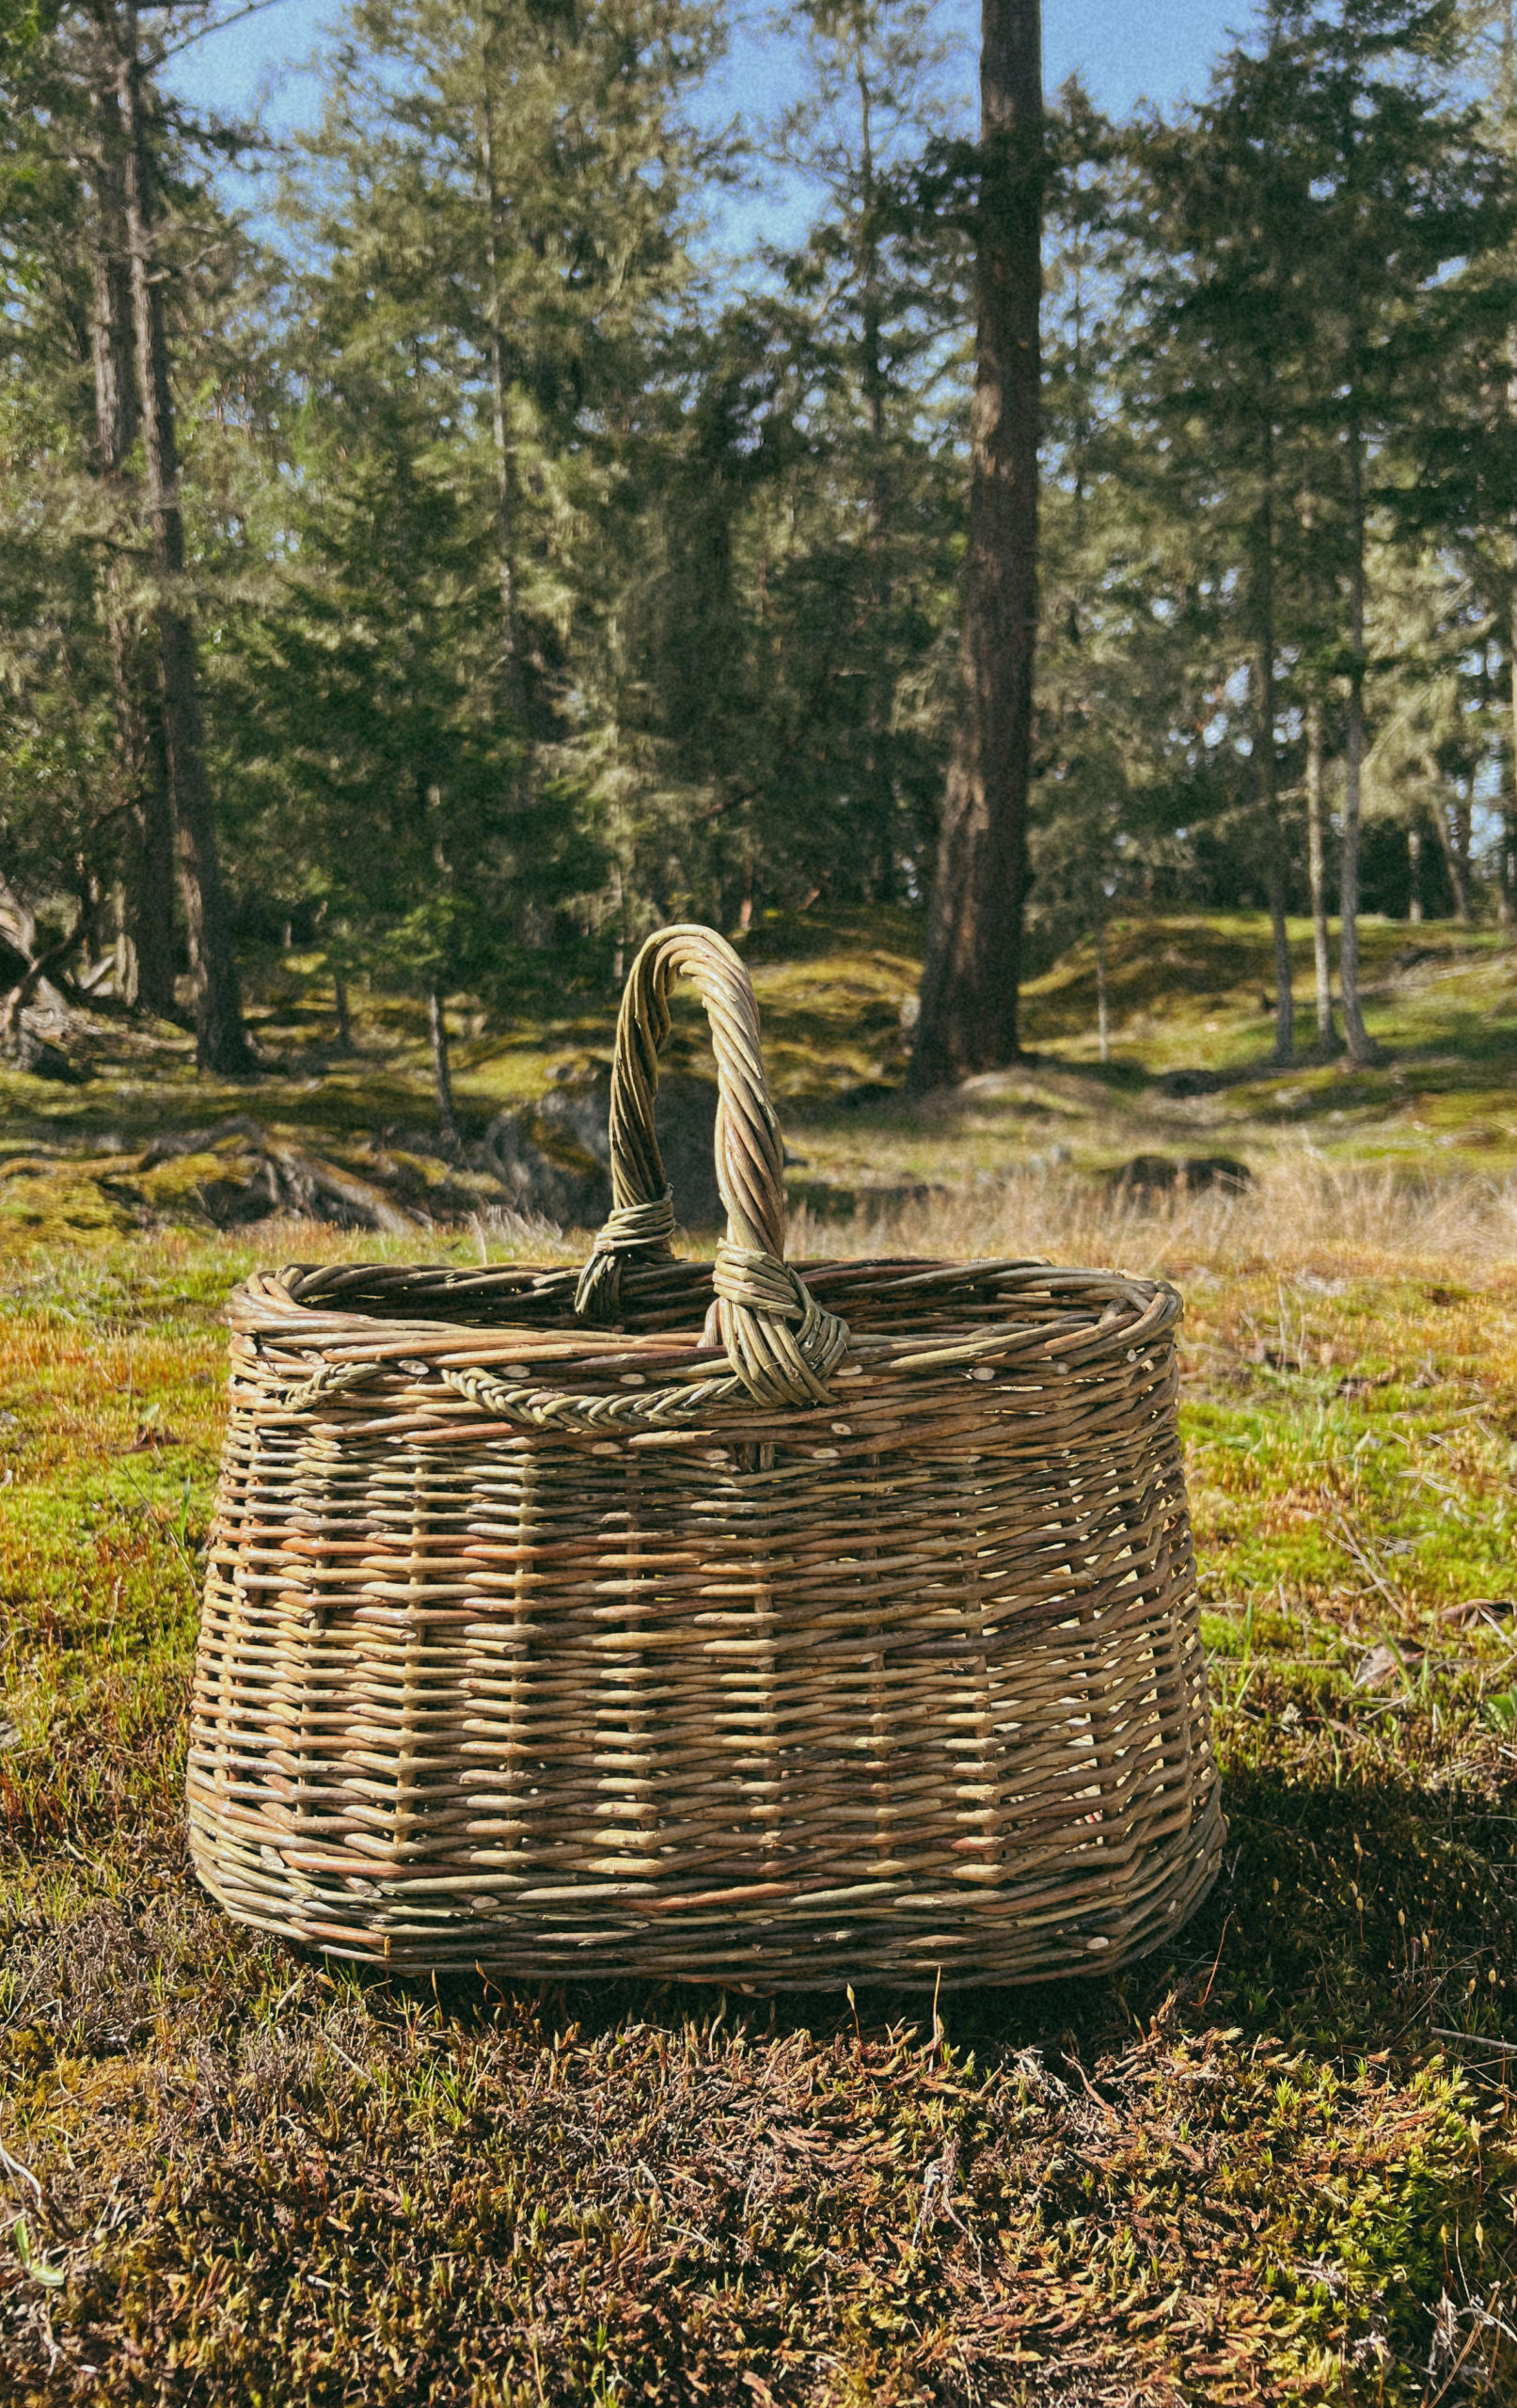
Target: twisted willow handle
pixel 778 1342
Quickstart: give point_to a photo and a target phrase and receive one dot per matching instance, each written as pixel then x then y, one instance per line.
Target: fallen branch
pixel 39 967
pixel 307 1177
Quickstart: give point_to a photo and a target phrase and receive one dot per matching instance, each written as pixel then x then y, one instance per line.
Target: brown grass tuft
pixel 1306 1213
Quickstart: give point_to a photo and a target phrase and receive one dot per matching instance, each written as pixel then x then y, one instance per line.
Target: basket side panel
pixel 927 1700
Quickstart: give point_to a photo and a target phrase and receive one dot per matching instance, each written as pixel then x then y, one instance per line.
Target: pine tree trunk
pixel 442 1076
pixel 1414 869
pixel 1458 877
pixel 505 463
pixel 969 1012
pixel 145 910
pixel 145 917
pixel 220 1039
pixel 1103 1016
pixel 1284 1001
pixel 1327 1035
pixel 881 802
pixel 340 1004
pixel 1357 1041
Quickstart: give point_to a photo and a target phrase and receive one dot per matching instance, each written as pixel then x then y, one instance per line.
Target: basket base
pixel 918 1944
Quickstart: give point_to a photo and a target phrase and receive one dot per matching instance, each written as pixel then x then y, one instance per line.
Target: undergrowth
pixel 1191 1070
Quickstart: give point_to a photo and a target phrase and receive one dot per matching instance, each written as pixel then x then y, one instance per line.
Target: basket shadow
pixel 1355 1910
pixel 1351 1913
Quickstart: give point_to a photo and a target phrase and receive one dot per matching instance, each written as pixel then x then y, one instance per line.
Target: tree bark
pixel 145 915
pixel 220 1038
pixel 1356 1038
pixel 344 1021
pixel 145 941
pixel 881 800
pixel 442 1076
pixel 1458 877
pixel 1103 1016
pixel 505 463
pixel 1327 1035
pixel 1414 868
pixel 968 1013
pixel 1284 1001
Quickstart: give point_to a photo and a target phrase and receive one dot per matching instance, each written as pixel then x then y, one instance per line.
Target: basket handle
pixel 778 1342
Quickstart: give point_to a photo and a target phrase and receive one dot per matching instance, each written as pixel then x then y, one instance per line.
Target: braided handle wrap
pixel 780 1344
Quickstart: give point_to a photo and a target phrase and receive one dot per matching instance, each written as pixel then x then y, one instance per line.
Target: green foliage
pixel 555 576
pixel 1319 249
pixel 78 596
pixel 408 745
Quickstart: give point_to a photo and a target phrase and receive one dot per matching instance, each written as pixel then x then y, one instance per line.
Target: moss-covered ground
pixel 1188 993
pixel 1276 2161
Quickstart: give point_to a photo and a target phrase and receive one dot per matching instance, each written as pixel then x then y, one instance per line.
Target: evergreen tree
pixel 99 287
pixel 969 1012
pixel 491 215
pixel 1226 340
pixel 1118 761
pixel 1398 190
pixel 875 302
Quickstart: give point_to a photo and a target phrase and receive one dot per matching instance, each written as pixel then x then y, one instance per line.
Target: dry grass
pixel 1305 1216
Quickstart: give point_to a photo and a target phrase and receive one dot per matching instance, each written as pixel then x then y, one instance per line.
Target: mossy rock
pixel 66 1200
pixel 554 1158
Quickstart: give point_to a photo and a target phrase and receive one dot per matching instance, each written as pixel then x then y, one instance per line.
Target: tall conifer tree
pixel 968 1007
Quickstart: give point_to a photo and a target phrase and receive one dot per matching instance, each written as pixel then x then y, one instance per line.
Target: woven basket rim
pixel 1105 1312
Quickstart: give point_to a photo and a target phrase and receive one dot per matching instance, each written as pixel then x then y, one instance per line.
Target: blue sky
pixel 1123 48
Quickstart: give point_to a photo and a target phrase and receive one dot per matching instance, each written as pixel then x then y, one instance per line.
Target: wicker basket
pixel 736 1624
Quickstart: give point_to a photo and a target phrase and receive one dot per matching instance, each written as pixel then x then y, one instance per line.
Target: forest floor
pixel 1278 2160
pixel 1192 1008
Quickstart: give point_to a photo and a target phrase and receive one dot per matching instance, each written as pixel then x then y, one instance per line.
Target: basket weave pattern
pixel 726 1623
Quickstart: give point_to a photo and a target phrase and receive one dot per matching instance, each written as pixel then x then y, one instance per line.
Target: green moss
pixel 1188 991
